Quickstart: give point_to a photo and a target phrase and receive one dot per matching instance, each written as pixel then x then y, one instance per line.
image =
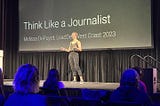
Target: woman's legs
pixel 74 64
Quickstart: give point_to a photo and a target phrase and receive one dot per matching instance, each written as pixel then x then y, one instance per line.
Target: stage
pixel 85 85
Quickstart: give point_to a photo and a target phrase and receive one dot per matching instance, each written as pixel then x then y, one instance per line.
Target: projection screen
pixel 46 25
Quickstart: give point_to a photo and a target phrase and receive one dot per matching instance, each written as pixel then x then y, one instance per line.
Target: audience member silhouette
pixel 2 95
pixel 26 86
pixel 52 83
pixel 128 90
pixel 141 84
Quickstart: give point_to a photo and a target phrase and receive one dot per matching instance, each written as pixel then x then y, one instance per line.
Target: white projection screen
pixel 46 25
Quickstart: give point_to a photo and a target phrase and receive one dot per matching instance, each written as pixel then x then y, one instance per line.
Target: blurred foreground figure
pixel 26 85
pixel 129 91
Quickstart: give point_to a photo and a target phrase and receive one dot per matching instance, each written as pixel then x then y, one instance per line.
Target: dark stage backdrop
pixel 100 66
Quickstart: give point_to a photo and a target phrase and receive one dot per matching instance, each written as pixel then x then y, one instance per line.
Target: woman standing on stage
pixel 74 48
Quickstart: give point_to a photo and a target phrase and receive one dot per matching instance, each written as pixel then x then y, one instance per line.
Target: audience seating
pixel 84 102
pixel 123 103
pixel 57 101
pixel 71 92
pixel 74 97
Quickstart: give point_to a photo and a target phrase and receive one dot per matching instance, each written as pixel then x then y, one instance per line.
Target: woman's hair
pixel 26 79
pixel 76 34
pixel 52 79
pixel 53 74
pixel 129 78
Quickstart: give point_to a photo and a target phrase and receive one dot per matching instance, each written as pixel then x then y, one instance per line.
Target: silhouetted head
pixel 52 80
pixel 26 79
pixel 53 75
pixel 129 78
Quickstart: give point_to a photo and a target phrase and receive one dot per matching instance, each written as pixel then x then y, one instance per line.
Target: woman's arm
pixel 79 48
pixel 65 49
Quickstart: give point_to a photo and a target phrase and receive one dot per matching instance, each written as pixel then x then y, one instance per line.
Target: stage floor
pixel 85 85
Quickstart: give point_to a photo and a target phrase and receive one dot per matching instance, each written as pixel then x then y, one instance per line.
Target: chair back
pixel 84 102
pixel 124 104
pixel 57 101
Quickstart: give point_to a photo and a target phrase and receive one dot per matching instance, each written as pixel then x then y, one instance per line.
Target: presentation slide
pixel 47 25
